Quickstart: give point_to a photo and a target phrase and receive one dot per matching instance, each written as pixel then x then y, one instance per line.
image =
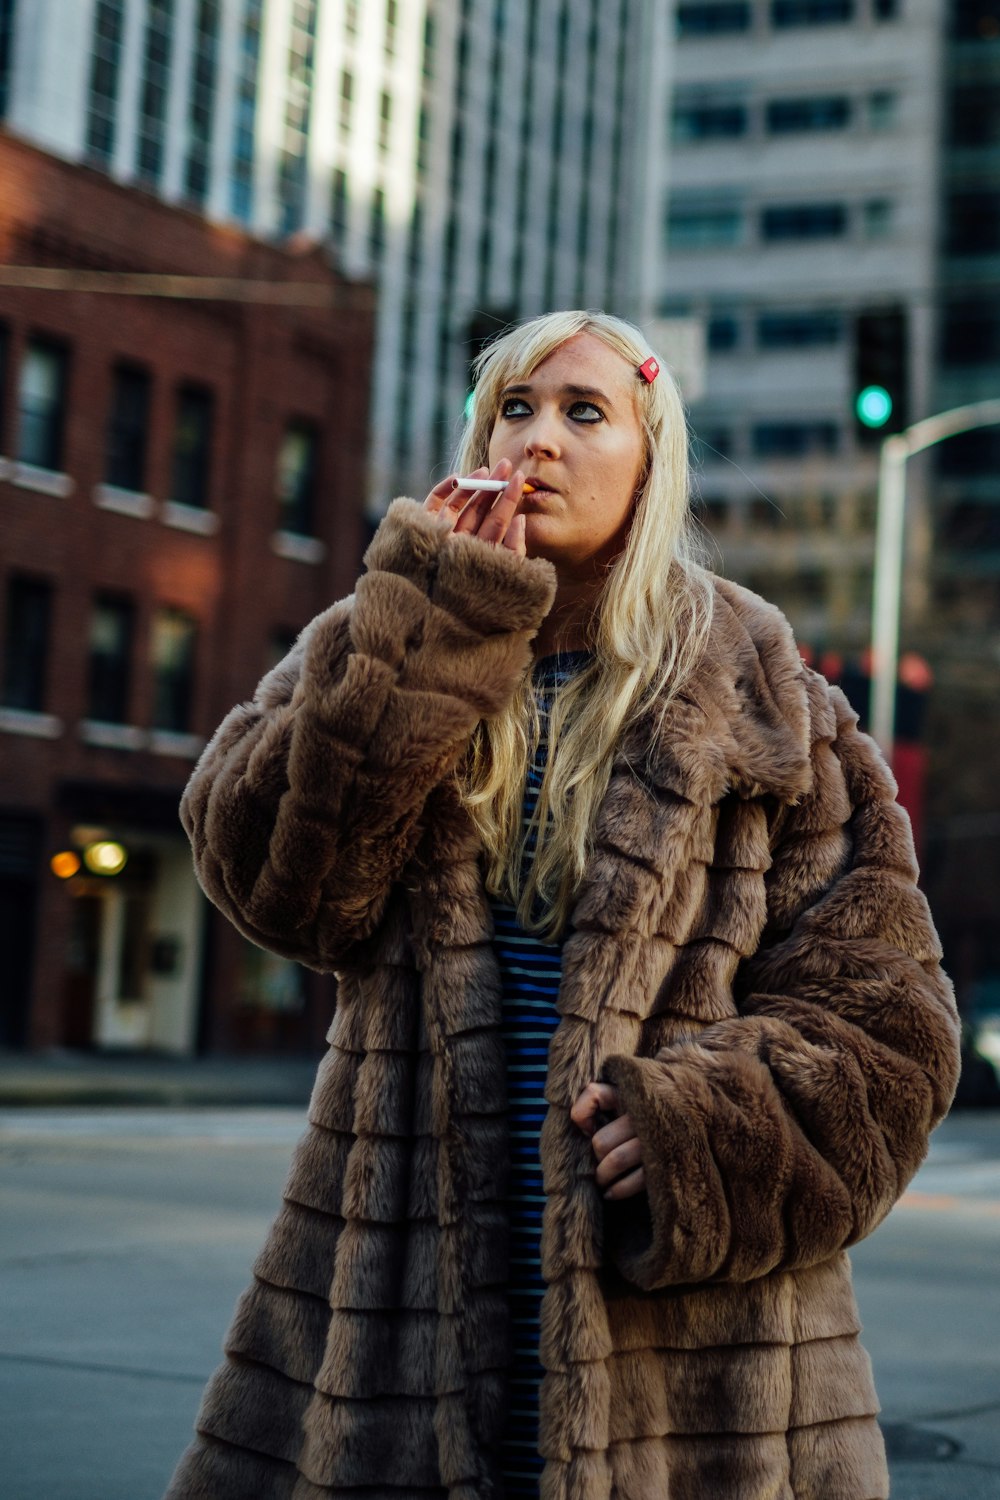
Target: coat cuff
pixel 488 588
pixel 676 1231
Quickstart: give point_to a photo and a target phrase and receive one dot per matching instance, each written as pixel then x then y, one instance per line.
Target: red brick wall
pixel 265 365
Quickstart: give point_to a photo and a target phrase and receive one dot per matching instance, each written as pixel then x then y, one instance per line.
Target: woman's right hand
pixel 492 517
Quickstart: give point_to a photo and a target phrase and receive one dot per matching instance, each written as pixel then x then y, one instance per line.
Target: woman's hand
pixel 483 513
pixel 616 1145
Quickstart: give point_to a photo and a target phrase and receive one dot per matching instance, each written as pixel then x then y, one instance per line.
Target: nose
pixel 541 440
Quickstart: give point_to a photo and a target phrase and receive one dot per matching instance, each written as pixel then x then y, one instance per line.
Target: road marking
pixel 947 1203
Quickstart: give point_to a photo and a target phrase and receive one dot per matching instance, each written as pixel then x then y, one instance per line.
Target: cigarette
pixel 473 483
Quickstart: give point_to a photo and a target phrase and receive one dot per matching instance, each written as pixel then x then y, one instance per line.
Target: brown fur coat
pixel 751 964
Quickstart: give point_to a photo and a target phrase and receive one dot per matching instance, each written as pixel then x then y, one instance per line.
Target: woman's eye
pixel 586 411
pixel 514 407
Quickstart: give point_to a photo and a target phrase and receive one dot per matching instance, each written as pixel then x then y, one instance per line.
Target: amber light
pixel 64 864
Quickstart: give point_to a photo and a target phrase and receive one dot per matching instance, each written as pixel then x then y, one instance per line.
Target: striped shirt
pixel 530 972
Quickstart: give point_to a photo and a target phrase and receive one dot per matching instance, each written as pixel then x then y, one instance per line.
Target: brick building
pixel 181 489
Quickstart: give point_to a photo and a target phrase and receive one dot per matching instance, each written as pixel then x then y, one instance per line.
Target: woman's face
pixel 573 427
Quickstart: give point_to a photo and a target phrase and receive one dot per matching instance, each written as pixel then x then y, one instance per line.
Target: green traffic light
pixel 873 406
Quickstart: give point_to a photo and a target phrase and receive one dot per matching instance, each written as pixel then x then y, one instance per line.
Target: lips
pixel 540 485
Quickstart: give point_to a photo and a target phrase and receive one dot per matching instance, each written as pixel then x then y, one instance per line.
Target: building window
pixel 798 330
pixel 391 26
pixel 174 636
pixel 27 637
pixel 155 89
pixel 105 66
pixel 883 109
pixel 384 121
pixel 795 439
pixel 112 626
pixel 125 456
pixel 423 139
pixel 709 122
pixel 339 206
pixel 877 214
pixel 972 525
pixel 973 115
pixel 886 10
pixel 292 163
pixel 376 228
pixel 970 333
pixel 201 104
pixel 973 223
pixel 787 13
pixel 723 332
pixel 713 18
pixel 279 643
pixel 351 8
pixel 297 462
pixel 974 20
pixel 711 443
pixel 346 99
pixel 193 446
pixel 793 116
pixel 692 225
pixel 970 455
pixel 42 404
pixel 804 221
pixel 248 65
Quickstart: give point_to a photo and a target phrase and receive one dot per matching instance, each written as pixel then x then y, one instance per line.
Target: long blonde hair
pixel 648 631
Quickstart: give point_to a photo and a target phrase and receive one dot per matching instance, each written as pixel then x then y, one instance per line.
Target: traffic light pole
pixel 889 550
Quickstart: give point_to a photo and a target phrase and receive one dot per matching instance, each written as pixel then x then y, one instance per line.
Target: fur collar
pixel 741 721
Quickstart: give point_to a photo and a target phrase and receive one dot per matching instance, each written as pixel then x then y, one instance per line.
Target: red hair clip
pixel 649 369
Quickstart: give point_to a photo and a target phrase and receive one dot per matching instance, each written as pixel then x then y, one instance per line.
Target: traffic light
pixel 880 373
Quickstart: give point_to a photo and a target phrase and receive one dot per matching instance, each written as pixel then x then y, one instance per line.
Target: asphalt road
pixel 126 1237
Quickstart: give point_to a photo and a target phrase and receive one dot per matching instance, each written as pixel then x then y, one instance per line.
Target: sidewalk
pixel 46 1079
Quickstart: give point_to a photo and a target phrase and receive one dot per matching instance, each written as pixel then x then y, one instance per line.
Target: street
pixel 128 1234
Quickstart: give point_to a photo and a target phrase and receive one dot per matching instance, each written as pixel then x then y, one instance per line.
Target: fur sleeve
pixel 781 1136
pixel 305 805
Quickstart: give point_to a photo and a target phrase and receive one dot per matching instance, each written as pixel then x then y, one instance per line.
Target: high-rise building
pixel 483 159
pixel 800 225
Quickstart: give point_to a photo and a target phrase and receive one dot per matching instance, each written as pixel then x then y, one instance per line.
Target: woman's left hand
pixel 616 1145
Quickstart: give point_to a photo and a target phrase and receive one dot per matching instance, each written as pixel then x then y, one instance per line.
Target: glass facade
pixel 293 158
pixel 201 101
pixel 248 66
pixel 105 69
pixel 7 9
pixel 154 91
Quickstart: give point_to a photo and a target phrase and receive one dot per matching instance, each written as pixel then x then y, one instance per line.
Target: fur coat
pixel 751 964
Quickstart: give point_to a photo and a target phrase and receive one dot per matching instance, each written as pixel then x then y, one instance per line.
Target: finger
pixel 481 501
pixel 595 1097
pixel 457 500
pixel 624 1158
pixel 627 1187
pixel 439 494
pixel 609 1136
pixel 495 526
pixel 517 535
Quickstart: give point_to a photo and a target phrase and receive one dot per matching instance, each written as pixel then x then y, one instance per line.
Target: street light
pixel 889 550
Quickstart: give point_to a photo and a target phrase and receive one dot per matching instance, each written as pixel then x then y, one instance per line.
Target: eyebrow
pixel 566 390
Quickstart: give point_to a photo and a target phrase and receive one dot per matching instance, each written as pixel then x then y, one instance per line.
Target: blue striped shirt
pixel 530 972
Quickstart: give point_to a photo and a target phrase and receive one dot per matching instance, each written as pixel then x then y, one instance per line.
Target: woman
pixel 564 811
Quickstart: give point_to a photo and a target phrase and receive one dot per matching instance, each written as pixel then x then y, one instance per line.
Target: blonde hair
pixel 647 633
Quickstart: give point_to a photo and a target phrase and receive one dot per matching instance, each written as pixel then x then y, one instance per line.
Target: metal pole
pixel 885 604
pixel 889 551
